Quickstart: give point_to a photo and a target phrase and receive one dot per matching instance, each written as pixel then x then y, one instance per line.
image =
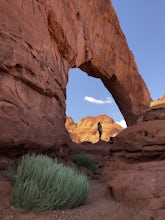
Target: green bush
pixel 43 184
pixel 83 160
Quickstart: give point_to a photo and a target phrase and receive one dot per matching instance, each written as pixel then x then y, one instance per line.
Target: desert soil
pixel 100 206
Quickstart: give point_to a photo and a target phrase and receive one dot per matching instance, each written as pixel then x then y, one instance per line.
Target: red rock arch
pixel 39 42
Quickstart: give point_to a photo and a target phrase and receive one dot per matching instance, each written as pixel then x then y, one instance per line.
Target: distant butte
pixel 86 129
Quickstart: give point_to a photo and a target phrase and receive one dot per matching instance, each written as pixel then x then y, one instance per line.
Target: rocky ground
pixel 112 191
pixel 100 205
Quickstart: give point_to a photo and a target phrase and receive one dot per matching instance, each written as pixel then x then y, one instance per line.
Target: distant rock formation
pixel 158 103
pixel 39 42
pixel 86 129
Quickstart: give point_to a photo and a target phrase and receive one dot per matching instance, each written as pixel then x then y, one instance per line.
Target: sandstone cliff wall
pixel 40 40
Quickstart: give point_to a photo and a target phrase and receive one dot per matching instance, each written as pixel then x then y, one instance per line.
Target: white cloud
pixel 122 123
pixel 98 101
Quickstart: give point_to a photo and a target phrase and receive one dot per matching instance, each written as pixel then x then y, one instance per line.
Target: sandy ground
pixel 100 206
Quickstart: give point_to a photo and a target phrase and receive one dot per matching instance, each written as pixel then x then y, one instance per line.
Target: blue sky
pixel 142 22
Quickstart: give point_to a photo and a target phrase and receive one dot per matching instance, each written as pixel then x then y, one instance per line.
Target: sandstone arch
pixel 40 40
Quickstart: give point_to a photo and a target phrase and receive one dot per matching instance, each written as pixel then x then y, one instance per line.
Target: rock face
pixel 39 42
pixel 139 185
pixel 146 139
pixel 136 166
pixel 86 129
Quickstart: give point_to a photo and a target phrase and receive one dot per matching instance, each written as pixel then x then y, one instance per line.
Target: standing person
pixel 99 128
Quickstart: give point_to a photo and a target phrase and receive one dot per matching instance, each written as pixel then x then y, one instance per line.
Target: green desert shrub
pixel 43 184
pixel 83 160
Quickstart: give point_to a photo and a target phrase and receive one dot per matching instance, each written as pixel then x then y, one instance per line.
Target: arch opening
pixel 87 102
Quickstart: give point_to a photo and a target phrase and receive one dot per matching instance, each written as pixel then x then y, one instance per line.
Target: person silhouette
pixel 99 128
